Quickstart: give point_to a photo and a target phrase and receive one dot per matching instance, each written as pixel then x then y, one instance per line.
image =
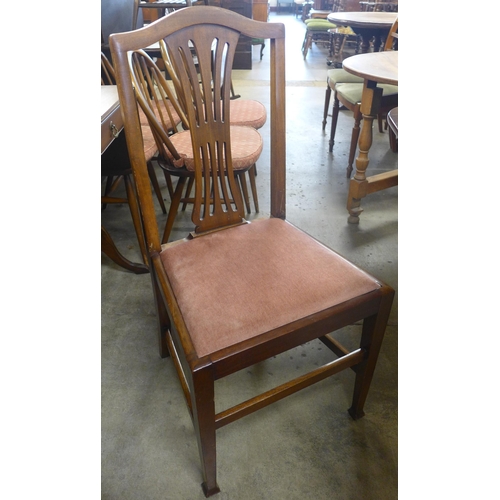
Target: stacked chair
pixel 320 30
pixel 175 153
pixel 234 293
pixel 243 112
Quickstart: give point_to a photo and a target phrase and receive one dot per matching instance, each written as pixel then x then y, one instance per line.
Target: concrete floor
pixel 306 446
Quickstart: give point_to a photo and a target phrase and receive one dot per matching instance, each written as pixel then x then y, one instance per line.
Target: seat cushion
pixel 318 25
pixel 248 112
pixel 353 91
pixel 319 14
pixel 238 283
pixel 340 75
pixel 246 147
pixel 150 148
pixel 163 116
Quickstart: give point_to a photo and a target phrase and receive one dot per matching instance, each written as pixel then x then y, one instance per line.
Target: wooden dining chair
pixel 347 90
pixel 234 293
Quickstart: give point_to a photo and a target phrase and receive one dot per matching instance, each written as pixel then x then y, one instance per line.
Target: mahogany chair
pixel 175 151
pixel 347 90
pixel 234 293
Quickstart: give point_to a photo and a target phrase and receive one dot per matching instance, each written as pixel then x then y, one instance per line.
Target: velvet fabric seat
pixel 263 293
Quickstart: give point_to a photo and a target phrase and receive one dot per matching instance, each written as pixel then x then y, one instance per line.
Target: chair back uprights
pixel 391 42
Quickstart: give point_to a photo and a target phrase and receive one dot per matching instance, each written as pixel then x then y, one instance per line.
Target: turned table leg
pixel 370 103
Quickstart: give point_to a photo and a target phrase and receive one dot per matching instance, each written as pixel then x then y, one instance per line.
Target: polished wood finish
pixel 225 242
pixel 260 10
pixel 366 24
pixel 377 67
pixel 381 68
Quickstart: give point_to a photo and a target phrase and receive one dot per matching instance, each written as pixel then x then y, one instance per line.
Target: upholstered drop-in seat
pixel 353 91
pixel 318 24
pixel 340 75
pixel 263 293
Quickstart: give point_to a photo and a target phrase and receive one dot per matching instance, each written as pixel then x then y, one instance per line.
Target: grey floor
pixel 306 446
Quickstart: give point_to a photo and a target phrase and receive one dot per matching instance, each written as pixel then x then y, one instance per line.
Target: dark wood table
pixel 367 25
pixel 374 67
pixel 115 161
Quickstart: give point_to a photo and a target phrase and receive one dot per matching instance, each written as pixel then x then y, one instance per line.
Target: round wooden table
pixel 375 67
pixel 367 25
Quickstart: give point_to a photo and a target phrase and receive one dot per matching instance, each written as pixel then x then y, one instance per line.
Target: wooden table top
pixel 381 67
pixel 376 20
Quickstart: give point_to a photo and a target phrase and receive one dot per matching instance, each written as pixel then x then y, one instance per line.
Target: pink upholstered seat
pixel 248 112
pixel 150 148
pixel 224 302
pixel 246 147
pixel 171 120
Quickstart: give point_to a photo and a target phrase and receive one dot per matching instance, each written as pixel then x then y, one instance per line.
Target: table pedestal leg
pixel 370 103
pixel 109 248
